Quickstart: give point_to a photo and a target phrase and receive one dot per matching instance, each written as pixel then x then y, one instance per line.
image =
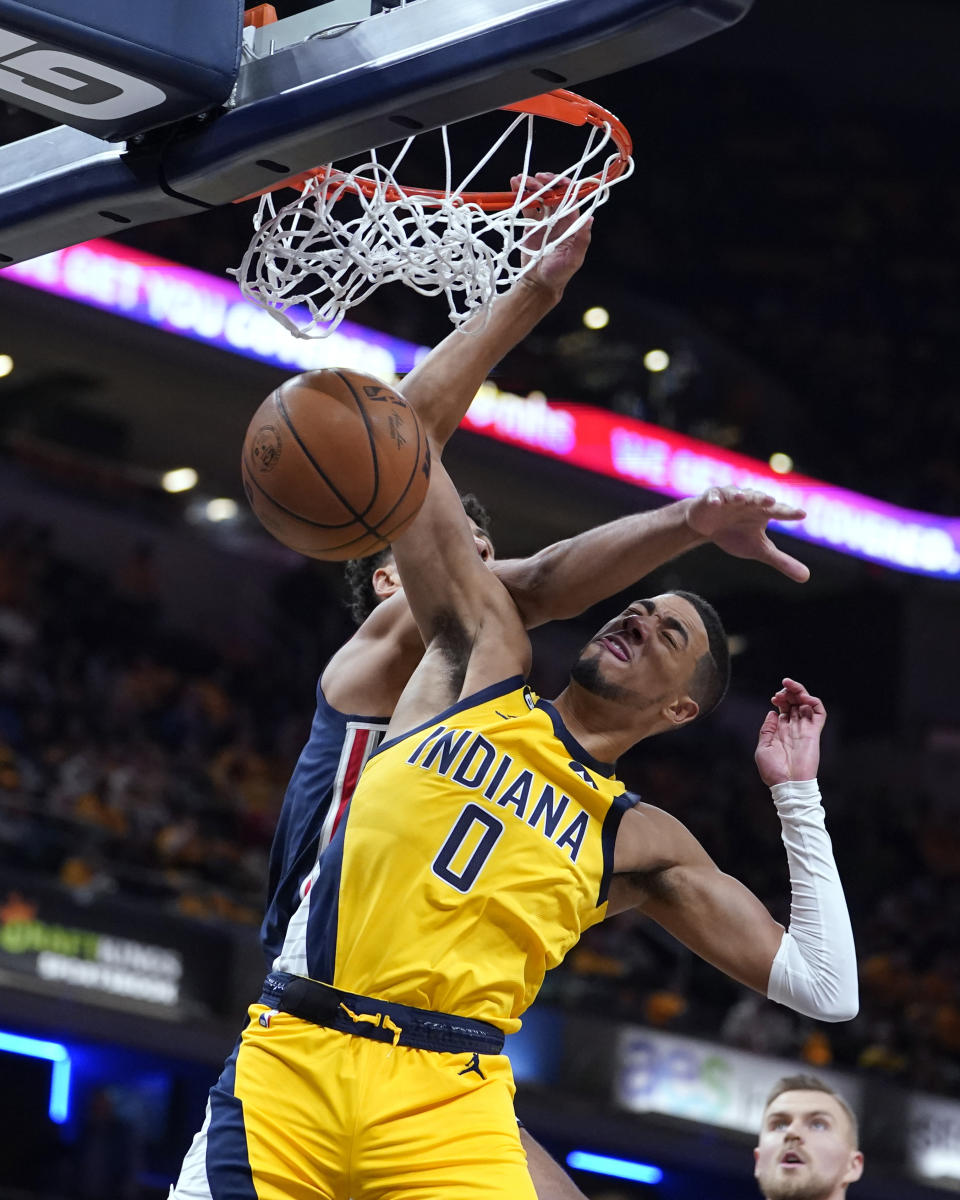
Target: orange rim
pixel 558 105
pixel 260 16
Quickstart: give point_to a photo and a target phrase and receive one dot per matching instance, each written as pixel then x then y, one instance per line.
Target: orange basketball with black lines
pixel 335 464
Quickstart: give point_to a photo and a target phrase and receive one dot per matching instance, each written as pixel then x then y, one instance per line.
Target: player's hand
pixel 558 265
pixel 736 520
pixel 789 744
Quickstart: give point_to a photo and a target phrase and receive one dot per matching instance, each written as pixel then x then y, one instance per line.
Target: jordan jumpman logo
pixel 473 1065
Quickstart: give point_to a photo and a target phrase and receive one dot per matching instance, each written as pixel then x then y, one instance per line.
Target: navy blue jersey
pixel 317 795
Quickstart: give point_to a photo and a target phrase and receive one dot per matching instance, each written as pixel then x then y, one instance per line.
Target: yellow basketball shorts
pixel 303 1112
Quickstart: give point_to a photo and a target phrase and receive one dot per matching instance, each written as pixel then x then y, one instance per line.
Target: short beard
pixel 789 1189
pixel 586 672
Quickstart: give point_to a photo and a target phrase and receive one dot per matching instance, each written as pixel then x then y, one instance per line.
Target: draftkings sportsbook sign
pixel 109 952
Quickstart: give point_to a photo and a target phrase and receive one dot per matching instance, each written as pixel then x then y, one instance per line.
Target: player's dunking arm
pixel 565 579
pixel 473 634
pixel 368 673
pixel 661 868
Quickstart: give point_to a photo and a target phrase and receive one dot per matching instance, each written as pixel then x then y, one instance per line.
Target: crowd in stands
pixel 824 246
pixel 135 760
pixel 801 267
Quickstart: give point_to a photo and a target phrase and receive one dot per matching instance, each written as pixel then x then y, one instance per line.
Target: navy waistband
pixel 379 1020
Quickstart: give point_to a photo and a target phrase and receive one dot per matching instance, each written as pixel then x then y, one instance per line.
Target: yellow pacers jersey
pixel 476 850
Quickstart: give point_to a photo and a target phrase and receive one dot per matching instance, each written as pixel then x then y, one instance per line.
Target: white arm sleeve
pixel 815 970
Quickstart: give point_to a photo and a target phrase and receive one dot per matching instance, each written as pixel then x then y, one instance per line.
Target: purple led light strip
pixel 193 304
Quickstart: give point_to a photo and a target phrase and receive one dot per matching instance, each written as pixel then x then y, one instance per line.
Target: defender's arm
pixel 550 1180
pixel 565 579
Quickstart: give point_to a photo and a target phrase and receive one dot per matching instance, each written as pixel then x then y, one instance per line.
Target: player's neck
pixel 602 727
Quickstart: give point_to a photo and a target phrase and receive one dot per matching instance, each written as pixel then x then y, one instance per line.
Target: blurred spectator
pixel 127 757
pixel 754 1024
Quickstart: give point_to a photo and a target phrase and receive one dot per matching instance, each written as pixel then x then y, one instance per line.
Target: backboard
pixel 319 86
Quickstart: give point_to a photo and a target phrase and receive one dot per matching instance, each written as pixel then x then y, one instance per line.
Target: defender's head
pixel 372 580
pixel 808 1142
pixel 665 659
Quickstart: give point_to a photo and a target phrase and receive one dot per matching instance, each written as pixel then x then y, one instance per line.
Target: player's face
pixel 647 655
pixel 806 1149
pixel 483 543
pixel 386 578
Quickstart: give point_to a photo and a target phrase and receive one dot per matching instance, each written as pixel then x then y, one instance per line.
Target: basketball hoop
pixel 466 244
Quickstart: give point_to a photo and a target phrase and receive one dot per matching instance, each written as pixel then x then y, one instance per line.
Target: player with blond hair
pixel 809 1142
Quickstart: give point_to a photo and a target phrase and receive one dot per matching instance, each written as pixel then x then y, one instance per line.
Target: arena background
pixel 791 241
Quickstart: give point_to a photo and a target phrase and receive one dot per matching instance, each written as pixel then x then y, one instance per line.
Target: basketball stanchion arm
pixel 407 70
pixel 62 186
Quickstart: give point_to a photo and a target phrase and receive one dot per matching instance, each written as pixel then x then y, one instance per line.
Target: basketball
pixel 335 464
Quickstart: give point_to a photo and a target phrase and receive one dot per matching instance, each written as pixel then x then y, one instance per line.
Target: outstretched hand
pixel 558 265
pixel 736 521
pixel 789 744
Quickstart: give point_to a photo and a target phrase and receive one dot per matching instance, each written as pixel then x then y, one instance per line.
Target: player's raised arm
pixel 662 869
pixel 566 578
pixel 377 662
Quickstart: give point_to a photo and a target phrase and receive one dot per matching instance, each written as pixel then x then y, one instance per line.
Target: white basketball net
pixel 307 266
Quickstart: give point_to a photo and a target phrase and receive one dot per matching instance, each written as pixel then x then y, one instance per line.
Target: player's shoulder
pixel 650 839
pixel 369 671
pixel 512 699
pixel 422 710
pixel 656 820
